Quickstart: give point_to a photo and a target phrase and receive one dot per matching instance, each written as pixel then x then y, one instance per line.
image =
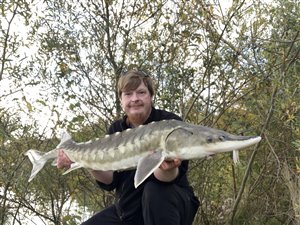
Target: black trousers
pixel 162 204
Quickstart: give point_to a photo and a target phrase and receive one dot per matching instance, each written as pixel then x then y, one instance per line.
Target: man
pixel 166 197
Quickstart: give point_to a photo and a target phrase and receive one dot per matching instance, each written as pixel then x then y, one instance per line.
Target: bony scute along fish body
pixel 144 148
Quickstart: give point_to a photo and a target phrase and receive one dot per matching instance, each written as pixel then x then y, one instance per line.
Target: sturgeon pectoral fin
pixel 146 167
pixel 74 166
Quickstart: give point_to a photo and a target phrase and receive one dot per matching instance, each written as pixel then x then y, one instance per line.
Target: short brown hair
pixel 132 79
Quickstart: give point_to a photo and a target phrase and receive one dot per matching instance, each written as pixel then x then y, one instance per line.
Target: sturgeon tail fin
pixel 38 160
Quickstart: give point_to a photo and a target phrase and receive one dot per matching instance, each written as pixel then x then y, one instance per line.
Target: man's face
pixel 137 104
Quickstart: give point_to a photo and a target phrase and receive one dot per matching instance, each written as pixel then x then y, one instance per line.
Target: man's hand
pixel 168 170
pixel 63 160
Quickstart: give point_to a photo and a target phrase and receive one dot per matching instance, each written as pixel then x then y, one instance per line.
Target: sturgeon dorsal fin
pixel 146 166
pixel 64 136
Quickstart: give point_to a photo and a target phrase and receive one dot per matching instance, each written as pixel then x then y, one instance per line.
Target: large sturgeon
pixel 144 148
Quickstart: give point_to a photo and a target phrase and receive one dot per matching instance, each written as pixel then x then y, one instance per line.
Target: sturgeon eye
pixel 209 139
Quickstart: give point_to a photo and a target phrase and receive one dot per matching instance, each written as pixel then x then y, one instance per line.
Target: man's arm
pixel 105 177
